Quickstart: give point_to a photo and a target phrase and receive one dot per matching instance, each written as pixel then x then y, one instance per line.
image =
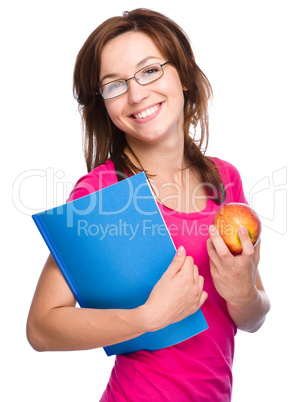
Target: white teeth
pixel 146 113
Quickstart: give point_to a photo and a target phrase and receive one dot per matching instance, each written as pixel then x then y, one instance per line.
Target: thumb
pixel 177 262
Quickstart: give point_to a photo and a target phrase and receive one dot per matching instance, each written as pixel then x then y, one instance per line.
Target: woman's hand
pixel 233 276
pixel 237 280
pixel 178 294
pixel 54 323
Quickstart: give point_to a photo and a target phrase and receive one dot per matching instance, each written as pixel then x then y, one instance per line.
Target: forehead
pixel 126 51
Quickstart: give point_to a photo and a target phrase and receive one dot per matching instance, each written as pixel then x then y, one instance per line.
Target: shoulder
pixel 226 169
pixel 231 180
pixel 102 176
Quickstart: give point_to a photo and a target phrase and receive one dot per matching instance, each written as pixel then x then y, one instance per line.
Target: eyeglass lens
pixel 144 76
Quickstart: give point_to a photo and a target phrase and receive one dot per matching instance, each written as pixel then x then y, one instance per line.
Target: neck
pixel 164 162
pixel 173 184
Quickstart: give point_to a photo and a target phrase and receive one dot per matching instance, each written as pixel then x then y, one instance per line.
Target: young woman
pixel 141 92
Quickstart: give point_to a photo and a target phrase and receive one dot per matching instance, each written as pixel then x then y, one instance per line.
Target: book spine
pixel 58 260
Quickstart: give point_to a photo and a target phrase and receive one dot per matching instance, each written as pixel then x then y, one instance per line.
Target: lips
pixel 146 112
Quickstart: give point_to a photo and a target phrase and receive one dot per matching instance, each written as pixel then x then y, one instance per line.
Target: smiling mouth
pixel 146 113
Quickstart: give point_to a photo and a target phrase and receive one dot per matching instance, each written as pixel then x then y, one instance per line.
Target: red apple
pixel 227 220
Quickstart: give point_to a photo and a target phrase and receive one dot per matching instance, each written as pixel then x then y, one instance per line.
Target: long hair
pixel 102 139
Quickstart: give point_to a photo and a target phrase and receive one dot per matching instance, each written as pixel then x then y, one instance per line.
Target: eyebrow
pixel 138 65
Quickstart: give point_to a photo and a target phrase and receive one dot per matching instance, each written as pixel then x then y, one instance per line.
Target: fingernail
pixel 180 250
pixel 242 230
pixel 213 229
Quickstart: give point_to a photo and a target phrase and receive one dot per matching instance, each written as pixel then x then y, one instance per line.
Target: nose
pixel 136 92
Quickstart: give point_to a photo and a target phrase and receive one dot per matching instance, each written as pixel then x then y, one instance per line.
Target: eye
pixel 115 86
pixel 150 71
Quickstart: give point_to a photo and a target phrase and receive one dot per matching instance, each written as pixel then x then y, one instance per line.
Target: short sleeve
pixel 232 181
pixel 99 178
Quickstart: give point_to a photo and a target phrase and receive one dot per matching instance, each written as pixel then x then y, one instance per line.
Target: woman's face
pixel 147 113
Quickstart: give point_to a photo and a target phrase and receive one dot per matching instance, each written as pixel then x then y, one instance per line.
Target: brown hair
pixel 103 139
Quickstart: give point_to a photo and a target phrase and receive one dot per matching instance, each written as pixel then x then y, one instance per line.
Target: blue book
pixel 112 246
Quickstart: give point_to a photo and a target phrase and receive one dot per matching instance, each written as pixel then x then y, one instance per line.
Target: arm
pixel 237 280
pixel 54 323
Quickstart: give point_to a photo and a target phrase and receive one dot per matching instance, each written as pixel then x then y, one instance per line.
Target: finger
pixel 196 273
pixel 204 296
pixel 247 246
pixel 177 262
pixel 221 248
pixel 187 269
pixel 212 252
pixel 198 280
pixel 215 261
pixel 201 281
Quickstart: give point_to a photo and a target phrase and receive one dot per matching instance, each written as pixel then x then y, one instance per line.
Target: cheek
pixel 114 110
pixel 172 88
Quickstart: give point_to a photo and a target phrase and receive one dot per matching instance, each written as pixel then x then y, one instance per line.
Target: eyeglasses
pixel 143 77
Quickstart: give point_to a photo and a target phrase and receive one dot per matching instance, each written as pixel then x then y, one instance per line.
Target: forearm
pixel 250 315
pixel 54 323
pixel 71 328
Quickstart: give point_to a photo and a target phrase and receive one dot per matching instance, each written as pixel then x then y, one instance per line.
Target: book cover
pixel 112 246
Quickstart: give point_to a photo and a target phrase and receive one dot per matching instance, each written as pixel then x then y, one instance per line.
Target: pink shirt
pixel 200 368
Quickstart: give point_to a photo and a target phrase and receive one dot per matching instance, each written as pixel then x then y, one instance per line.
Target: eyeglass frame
pixel 98 92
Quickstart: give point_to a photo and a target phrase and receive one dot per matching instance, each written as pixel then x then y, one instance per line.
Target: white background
pixel 248 50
